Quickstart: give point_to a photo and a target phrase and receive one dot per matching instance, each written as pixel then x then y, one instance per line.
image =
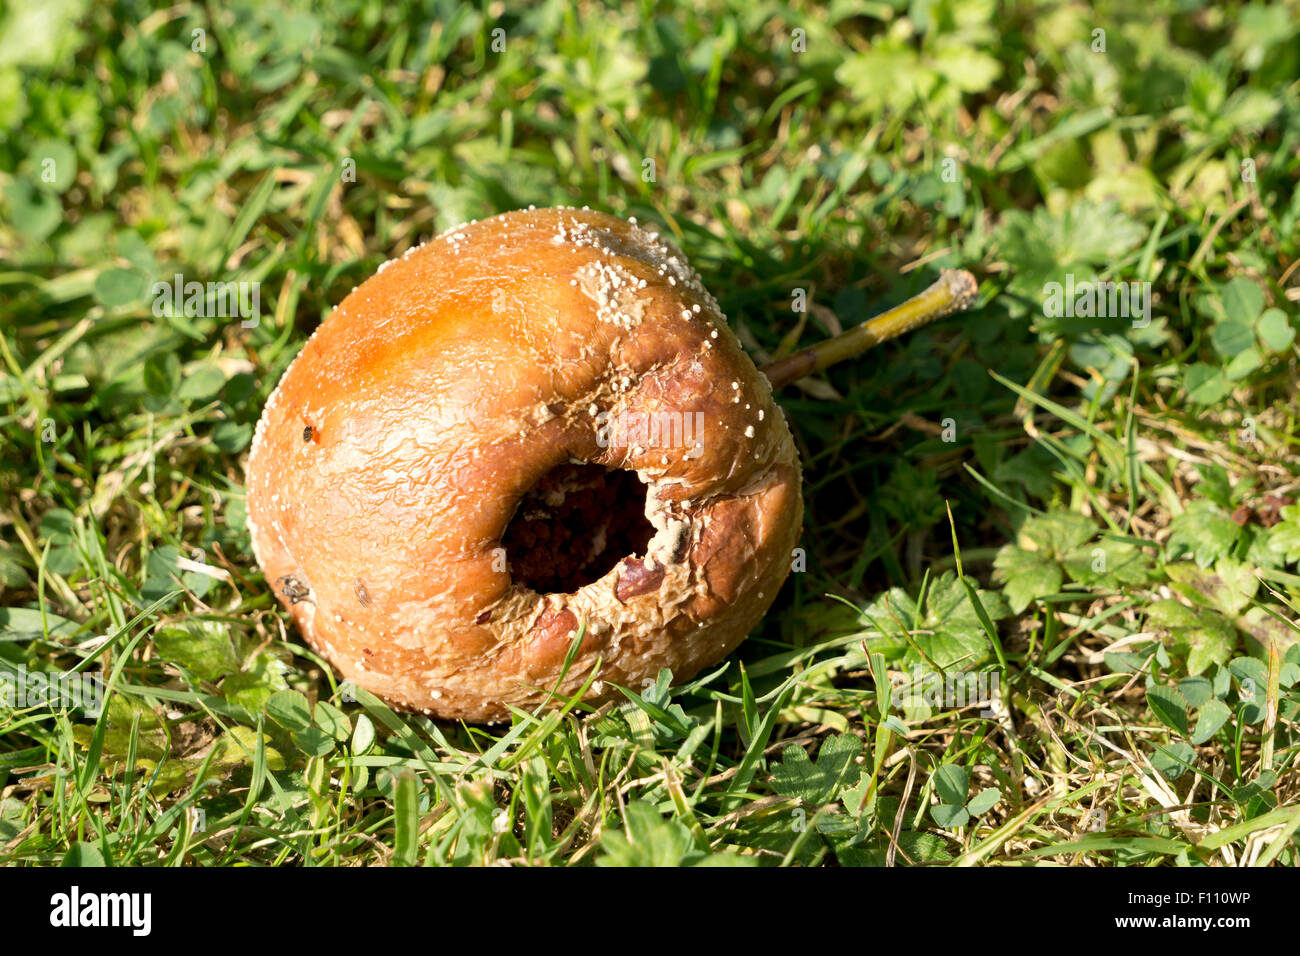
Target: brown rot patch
pixel 550 640
pixel 292 587
pixel 363 596
pixel 635 578
pixel 556 623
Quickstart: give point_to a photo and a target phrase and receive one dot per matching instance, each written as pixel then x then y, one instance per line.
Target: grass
pixel 1094 515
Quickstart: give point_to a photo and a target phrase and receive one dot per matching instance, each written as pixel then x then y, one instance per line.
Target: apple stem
pixel 954 291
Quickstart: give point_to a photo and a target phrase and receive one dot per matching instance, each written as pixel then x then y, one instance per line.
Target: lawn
pixel 1045 608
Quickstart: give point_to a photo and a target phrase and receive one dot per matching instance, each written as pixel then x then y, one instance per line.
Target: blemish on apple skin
pixel 310 433
pixel 363 596
pixel 293 588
